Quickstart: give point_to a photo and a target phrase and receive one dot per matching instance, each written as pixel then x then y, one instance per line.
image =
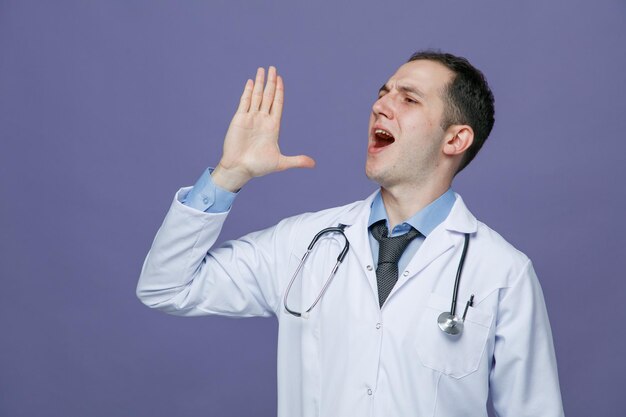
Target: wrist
pixel 229 179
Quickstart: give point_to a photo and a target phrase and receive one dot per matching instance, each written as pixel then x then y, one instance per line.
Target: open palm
pixel 251 144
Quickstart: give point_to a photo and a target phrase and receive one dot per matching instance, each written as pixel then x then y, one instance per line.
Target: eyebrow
pixel 405 88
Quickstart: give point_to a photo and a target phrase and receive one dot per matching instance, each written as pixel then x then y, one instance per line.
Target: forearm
pixel 167 276
pixel 184 274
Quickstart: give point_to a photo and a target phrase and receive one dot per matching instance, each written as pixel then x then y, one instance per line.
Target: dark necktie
pixel 389 252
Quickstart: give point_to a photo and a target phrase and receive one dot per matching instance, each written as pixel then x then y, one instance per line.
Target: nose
pixel 383 106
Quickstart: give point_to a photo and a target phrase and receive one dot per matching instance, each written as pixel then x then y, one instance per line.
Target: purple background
pixel 106 108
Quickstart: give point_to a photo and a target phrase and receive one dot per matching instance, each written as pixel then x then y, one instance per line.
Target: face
pixel 405 135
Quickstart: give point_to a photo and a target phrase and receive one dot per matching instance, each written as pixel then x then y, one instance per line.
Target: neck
pixel 402 202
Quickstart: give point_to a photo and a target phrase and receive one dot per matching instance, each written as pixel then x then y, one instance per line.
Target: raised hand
pixel 251 143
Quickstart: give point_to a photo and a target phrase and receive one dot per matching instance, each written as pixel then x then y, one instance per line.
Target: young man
pixel 383 340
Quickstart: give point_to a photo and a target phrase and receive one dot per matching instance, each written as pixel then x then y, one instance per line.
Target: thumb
pixel 299 161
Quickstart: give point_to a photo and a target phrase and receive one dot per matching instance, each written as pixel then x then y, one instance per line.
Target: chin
pixel 372 175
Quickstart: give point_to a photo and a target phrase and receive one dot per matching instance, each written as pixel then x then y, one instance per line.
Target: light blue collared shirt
pixel 208 197
pixel 424 221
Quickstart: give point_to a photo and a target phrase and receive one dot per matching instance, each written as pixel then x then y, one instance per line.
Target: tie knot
pixel 391 248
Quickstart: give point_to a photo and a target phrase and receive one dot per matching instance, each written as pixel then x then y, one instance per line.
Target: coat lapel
pixel 444 237
pixel 436 244
pixel 360 253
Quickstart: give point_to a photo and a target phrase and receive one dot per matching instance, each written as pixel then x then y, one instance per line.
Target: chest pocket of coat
pixel 456 356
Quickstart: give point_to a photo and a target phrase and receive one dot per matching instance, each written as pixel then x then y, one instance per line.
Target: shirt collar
pixel 424 220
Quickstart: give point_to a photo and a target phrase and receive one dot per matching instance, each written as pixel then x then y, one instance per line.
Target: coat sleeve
pixel 524 380
pixel 183 275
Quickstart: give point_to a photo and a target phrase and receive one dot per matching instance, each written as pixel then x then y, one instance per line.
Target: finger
pixel 257 91
pixel 279 98
pixel 244 102
pixel 270 88
pixel 299 161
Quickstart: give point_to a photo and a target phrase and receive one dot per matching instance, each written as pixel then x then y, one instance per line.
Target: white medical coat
pixel 351 357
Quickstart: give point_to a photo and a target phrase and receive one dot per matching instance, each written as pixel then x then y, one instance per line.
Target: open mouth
pixel 382 138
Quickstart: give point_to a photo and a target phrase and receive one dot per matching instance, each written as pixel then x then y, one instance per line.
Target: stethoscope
pixel 342 254
pixel 448 322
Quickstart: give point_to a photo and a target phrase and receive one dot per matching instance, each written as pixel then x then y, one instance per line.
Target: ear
pixel 458 139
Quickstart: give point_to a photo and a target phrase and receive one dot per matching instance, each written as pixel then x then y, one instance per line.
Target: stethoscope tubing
pixel 340 258
pixel 448 322
pixel 457 279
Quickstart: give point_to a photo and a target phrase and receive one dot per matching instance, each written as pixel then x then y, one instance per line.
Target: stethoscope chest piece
pixel 450 323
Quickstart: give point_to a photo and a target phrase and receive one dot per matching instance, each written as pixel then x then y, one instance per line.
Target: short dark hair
pixel 467 98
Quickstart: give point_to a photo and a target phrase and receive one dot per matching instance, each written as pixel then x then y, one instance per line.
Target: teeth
pixel 382 132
